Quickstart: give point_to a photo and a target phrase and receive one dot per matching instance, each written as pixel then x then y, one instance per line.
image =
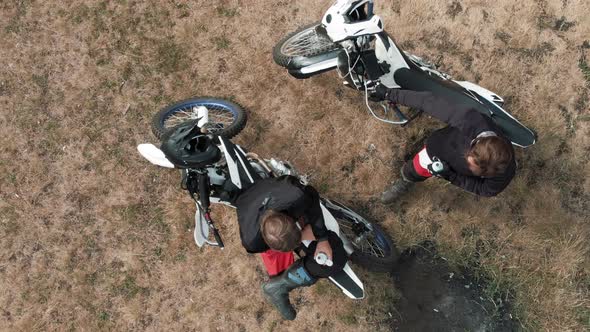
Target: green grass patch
pixel 183 10
pixel 103 316
pixel 11 177
pixel 91 278
pixel 156 221
pixel 129 288
pixel 496 287
pixel 158 252
pixel 42 81
pixel 180 257
pixel 348 318
pixel 118 154
pixel 171 56
pixel 127 71
pixel 201 27
pixel 99 13
pixel 273 325
pixel 226 12
pixel 221 43
pixel 110 85
pixel 90 245
pixel 8 222
pixel 15 25
pixel 325 288
pixel 583 65
pixel 79 14
pixel 583 315
pixel 129 213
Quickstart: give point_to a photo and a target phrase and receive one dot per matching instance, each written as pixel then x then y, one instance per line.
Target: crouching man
pixel 277 216
pixel 470 153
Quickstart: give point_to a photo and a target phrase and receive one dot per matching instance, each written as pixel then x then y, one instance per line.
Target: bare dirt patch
pixel 437 297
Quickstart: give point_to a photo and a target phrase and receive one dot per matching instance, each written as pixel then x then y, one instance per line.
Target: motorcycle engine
pixel 351 75
pixel 357 67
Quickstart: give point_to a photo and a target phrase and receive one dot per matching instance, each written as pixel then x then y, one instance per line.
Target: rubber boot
pixel 397 189
pixel 278 288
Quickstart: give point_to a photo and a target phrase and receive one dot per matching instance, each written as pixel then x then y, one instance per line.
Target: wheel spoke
pixel 219 117
pixel 367 244
pixel 375 248
pixel 305 43
pixel 346 226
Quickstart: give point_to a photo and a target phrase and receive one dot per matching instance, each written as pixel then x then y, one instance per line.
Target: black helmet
pixel 186 147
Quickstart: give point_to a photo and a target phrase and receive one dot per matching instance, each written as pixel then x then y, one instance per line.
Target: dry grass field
pixel 93 237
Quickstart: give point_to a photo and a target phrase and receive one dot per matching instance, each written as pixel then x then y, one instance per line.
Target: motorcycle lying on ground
pixel 351 39
pixel 218 179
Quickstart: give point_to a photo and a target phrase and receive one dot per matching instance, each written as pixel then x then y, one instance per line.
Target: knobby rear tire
pixel 377 264
pixel 386 255
pixel 302 43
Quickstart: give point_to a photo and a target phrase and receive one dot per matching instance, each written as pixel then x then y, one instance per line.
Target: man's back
pixel 279 194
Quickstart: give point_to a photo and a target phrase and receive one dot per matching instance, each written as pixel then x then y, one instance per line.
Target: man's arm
pixel 313 213
pixel 486 187
pixel 307 204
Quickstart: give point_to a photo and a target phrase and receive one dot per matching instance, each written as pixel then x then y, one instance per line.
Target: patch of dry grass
pixel 93 237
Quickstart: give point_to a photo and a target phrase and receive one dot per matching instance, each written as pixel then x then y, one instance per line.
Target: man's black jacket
pixel 283 194
pixel 452 143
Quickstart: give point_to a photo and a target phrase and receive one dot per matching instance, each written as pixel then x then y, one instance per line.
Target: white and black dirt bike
pixel 217 178
pixel 351 39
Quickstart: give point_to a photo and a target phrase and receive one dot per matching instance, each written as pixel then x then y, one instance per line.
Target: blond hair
pixel 279 231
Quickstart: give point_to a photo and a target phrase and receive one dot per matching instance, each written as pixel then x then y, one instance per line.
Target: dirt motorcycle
pixel 218 179
pixel 351 39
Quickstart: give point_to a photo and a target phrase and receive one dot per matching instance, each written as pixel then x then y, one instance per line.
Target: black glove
pixel 439 168
pixel 380 93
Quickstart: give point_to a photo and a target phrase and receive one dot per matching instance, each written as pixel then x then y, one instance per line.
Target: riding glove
pixel 380 93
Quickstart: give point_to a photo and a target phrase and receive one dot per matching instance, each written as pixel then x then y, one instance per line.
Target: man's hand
pixel 324 246
pixel 307 234
pixel 380 93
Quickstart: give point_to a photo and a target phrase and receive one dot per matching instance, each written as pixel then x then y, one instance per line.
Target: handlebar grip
pixel 218 238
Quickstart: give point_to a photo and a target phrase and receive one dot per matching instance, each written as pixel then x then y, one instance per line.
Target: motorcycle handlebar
pixel 218 238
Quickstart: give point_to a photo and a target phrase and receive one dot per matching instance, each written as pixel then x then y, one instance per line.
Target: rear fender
pixel 349 283
pixel 487 94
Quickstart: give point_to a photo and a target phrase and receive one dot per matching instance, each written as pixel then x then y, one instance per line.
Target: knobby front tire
pixel 226 118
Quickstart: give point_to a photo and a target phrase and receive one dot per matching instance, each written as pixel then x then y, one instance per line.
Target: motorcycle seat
pixel 416 79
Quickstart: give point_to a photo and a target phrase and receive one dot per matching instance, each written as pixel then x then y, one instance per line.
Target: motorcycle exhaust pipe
pixel 261 161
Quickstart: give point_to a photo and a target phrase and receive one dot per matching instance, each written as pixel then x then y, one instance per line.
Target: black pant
pixel 339 257
pixel 409 172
